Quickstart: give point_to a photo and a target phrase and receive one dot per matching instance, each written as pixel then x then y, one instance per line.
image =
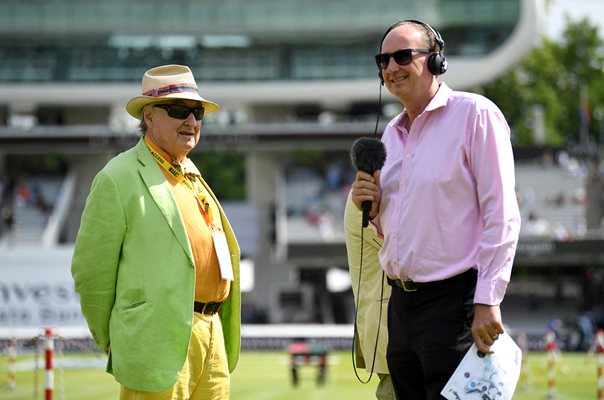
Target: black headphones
pixel 437 62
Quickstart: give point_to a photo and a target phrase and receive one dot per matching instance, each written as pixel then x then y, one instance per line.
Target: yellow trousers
pixel 205 374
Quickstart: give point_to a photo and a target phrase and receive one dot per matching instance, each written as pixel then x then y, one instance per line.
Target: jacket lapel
pixel 160 191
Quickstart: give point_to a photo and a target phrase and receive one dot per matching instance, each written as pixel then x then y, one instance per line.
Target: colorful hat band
pixel 166 90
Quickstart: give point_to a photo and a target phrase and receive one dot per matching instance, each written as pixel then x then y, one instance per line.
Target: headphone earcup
pixel 443 65
pixel 437 64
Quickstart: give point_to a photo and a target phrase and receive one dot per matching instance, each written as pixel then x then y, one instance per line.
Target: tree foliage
pixel 224 172
pixel 565 79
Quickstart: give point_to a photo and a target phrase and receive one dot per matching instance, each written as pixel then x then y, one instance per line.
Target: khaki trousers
pixel 205 374
pixel 384 390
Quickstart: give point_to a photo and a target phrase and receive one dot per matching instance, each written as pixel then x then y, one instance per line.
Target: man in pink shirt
pixel 446 206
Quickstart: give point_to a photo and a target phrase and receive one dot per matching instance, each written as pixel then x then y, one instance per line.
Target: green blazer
pixel 134 271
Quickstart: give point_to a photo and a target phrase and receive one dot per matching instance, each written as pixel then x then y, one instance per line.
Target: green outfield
pixel 266 376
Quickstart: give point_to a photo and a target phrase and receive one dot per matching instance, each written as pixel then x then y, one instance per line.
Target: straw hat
pixel 160 84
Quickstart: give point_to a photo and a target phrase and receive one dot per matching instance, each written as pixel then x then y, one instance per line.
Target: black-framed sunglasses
pixel 178 111
pixel 401 57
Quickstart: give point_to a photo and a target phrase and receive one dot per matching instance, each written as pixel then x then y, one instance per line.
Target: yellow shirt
pixel 209 285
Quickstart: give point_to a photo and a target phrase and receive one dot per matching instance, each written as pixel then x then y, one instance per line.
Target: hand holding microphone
pixel 368 156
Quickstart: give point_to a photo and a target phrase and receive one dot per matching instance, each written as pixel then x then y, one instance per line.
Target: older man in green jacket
pixel 156 263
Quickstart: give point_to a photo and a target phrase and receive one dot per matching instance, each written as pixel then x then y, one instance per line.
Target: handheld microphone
pixel 367 155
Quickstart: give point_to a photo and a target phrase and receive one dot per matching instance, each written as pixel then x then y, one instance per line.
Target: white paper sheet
pixel 490 377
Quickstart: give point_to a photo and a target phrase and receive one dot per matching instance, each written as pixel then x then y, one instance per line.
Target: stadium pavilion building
pixel 296 81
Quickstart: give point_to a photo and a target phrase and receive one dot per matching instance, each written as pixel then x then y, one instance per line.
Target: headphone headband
pixel 437 37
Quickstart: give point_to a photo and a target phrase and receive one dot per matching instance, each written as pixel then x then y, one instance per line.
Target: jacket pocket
pixel 132 305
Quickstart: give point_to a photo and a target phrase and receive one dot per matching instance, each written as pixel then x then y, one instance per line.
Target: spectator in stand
pixel 8 222
pixel 535 226
pixel 23 194
pixel 40 200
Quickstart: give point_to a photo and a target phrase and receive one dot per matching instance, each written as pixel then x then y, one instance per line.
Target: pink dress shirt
pixel 448 200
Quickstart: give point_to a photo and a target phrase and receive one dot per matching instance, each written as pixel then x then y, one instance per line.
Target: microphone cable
pixel 356 334
pixel 356 311
pixel 379 111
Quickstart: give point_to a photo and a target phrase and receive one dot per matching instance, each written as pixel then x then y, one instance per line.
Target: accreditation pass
pixel 223 254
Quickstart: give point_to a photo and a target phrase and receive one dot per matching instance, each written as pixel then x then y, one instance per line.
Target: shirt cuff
pixel 489 292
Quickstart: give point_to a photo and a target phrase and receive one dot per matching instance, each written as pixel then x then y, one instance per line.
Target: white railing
pixel 60 212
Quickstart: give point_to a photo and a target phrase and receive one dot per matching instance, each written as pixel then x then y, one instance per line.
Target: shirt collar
pixel 439 100
pixel 187 167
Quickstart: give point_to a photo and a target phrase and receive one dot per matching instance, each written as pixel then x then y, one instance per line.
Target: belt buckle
pixel 407 286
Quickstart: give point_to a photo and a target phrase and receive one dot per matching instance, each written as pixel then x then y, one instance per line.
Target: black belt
pixel 207 308
pixel 412 286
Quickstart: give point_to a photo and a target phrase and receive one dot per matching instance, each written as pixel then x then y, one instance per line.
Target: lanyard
pixel 193 187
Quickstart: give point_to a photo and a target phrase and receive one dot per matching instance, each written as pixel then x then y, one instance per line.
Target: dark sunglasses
pixel 178 111
pixel 401 57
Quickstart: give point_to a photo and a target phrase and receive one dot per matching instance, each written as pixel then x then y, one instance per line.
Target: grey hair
pixel 142 125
